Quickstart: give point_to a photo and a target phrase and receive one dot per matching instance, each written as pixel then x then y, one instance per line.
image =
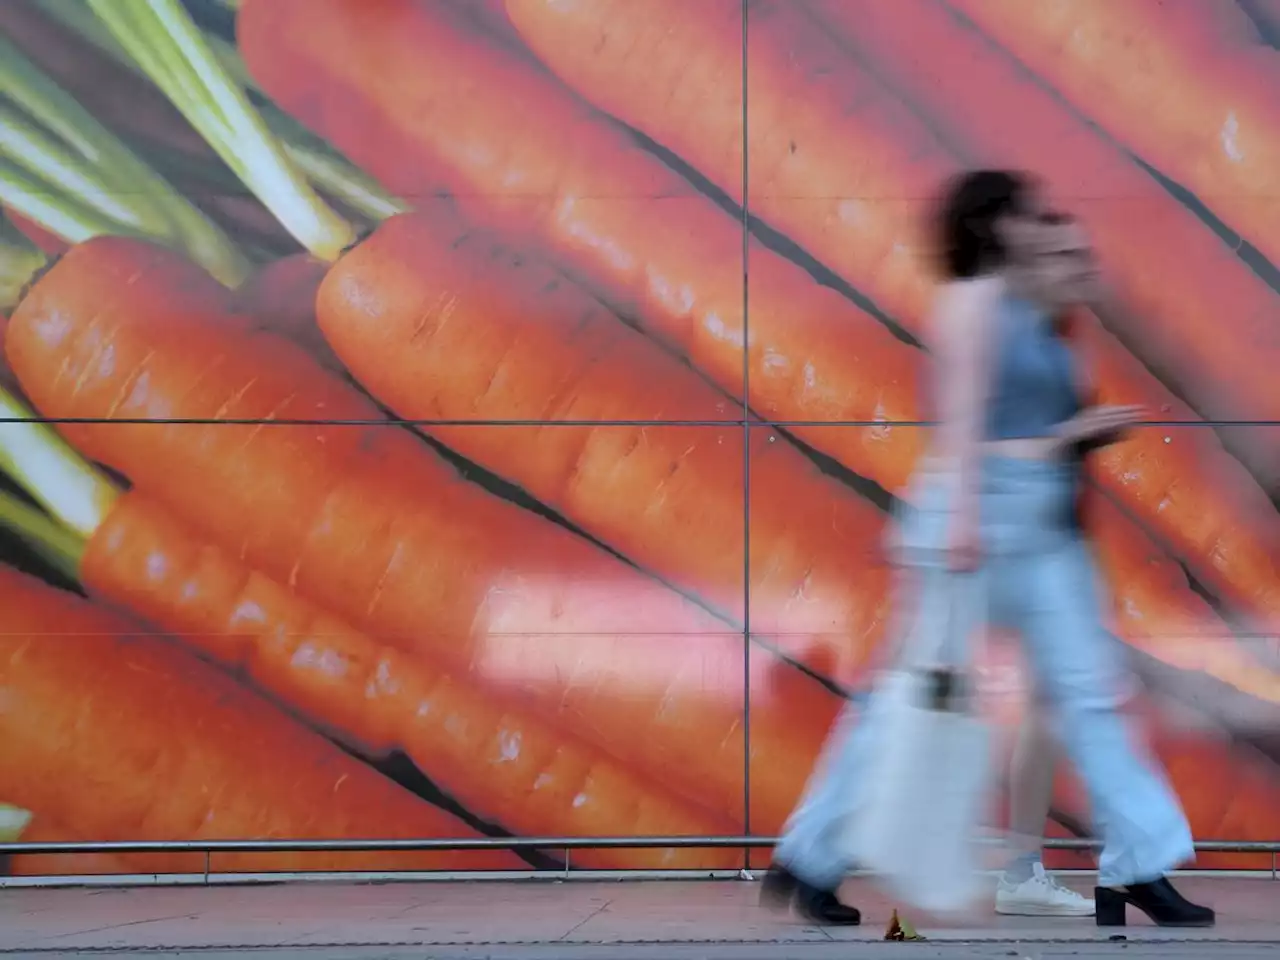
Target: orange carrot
pixel 1160 614
pixel 827 148
pixel 403 102
pixel 499 764
pixel 281 298
pixel 617 54
pixel 434 323
pixel 1167 478
pixel 122 736
pixel 360 516
pixel 1198 109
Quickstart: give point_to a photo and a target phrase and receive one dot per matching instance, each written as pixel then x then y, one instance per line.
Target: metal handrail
pixel 500 843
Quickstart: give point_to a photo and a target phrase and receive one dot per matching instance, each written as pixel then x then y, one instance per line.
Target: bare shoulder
pixel 963 308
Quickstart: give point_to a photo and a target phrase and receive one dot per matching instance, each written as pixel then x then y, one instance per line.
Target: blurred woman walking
pixel 996 497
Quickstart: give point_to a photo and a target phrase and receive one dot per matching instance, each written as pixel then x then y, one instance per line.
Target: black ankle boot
pixel 824 908
pixel 781 888
pixel 1158 900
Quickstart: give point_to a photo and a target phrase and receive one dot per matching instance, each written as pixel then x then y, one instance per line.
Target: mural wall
pixel 454 418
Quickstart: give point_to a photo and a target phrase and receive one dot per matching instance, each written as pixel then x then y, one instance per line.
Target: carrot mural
pixel 1218 137
pixel 370 697
pixel 677 271
pixel 457 420
pixel 91 698
pixel 1141 232
pixel 901 157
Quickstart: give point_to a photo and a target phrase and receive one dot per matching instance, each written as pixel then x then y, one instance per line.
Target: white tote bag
pixel 928 780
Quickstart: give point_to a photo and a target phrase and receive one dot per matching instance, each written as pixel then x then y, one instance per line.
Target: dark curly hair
pixel 964 221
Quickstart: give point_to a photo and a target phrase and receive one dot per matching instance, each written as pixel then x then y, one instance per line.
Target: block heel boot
pixel 1158 900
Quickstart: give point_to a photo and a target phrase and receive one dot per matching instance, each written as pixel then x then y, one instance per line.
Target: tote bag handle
pixel 938 640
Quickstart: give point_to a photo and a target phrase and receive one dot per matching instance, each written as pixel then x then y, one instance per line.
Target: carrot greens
pixel 47 468
pixel 30 196
pixel 54 544
pixel 326 169
pixel 49 144
pixel 19 261
pixel 13 822
pixel 168 47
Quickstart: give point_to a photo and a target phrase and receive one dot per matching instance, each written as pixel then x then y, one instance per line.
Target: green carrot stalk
pixel 30 196
pixel 19 261
pixel 335 176
pixel 49 144
pixel 43 155
pixel 13 822
pixel 324 167
pixel 54 544
pixel 77 495
pixel 162 40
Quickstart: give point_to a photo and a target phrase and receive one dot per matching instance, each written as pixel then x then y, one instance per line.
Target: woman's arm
pixel 1095 425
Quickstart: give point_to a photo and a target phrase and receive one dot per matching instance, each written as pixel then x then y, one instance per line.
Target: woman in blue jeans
pixel 996 495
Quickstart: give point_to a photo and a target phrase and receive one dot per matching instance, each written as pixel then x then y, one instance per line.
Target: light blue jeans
pixel 1041 581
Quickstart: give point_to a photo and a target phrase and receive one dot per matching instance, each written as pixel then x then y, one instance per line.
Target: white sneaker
pixel 1040 895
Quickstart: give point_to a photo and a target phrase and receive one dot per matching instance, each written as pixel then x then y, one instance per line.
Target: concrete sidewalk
pixel 573 919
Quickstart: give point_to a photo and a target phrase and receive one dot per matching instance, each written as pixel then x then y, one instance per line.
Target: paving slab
pixel 573 920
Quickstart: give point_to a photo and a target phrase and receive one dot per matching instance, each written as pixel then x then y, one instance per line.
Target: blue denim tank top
pixel 1033 382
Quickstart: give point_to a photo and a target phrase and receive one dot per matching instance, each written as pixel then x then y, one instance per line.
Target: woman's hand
pixel 1098 426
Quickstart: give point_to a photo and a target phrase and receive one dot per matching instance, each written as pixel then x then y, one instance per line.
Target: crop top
pixel 1033 385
